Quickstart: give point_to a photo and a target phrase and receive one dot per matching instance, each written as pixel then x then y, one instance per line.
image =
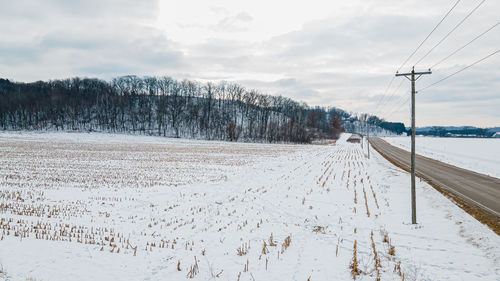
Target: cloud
pixel 244 17
pixel 233 23
pixel 16 55
pixel 92 38
pixel 338 53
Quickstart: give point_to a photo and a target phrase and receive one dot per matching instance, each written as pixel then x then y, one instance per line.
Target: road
pixel 481 190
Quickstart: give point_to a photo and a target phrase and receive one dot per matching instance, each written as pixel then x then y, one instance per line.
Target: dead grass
pixel 319 229
pixel 397 269
pixel 265 250
pixel 366 203
pixel 374 196
pixel 242 250
pixel 272 243
pixel 286 243
pixel 193 270
pixel 245 268
pixel 376 258
pixel 354 266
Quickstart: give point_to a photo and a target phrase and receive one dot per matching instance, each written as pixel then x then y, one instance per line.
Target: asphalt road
pixel 478 189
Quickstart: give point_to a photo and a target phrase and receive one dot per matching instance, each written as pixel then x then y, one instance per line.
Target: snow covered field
pixel 479 155
pixel 113 207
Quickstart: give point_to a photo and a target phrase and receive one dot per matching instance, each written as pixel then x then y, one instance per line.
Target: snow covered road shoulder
pixel 87 207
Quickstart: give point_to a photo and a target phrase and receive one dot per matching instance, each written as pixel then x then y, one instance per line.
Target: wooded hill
pixel 163 106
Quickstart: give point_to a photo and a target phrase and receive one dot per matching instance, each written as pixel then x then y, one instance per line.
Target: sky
pixel 341 53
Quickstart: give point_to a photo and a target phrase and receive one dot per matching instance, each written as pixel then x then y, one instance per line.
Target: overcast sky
pixel 324 52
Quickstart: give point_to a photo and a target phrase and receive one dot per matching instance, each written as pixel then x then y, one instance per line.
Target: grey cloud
pixel 103 38
pixel 244 17
pixel 219 10
pixel 99 8
pixel 15 55
pixel 55 42
pixel 341 62
pixel 289 82
pixel 288 87
pixel 359 40
pixel 105 69
pixel 233 23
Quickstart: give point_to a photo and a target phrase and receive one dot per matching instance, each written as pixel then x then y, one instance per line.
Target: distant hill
pixel 456 131
pixel 447 128
pixel 494 130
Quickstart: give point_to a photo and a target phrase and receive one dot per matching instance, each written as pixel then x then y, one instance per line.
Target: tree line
pixel 463 132
pixel 164 106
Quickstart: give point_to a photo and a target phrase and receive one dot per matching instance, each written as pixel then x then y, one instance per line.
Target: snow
pixel 481 155
pixel 178 200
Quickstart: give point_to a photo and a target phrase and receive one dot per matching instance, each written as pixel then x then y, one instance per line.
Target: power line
pixel 398 108
pixel 392 95
pixel 383 95
pixel 429 35
pixel 457 72
pixel 397 104
pixel 461 48
pixel 380 101
pixel 449 33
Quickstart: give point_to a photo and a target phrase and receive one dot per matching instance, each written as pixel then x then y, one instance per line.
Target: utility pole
pixel 368 140
pixel 412 78
pixel 361 134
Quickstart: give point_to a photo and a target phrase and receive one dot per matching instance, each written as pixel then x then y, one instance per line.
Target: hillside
pixel 163 106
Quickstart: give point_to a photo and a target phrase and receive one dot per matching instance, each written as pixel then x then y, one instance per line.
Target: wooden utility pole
pixel 412 78
pixel 368 140
pixel 362 137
